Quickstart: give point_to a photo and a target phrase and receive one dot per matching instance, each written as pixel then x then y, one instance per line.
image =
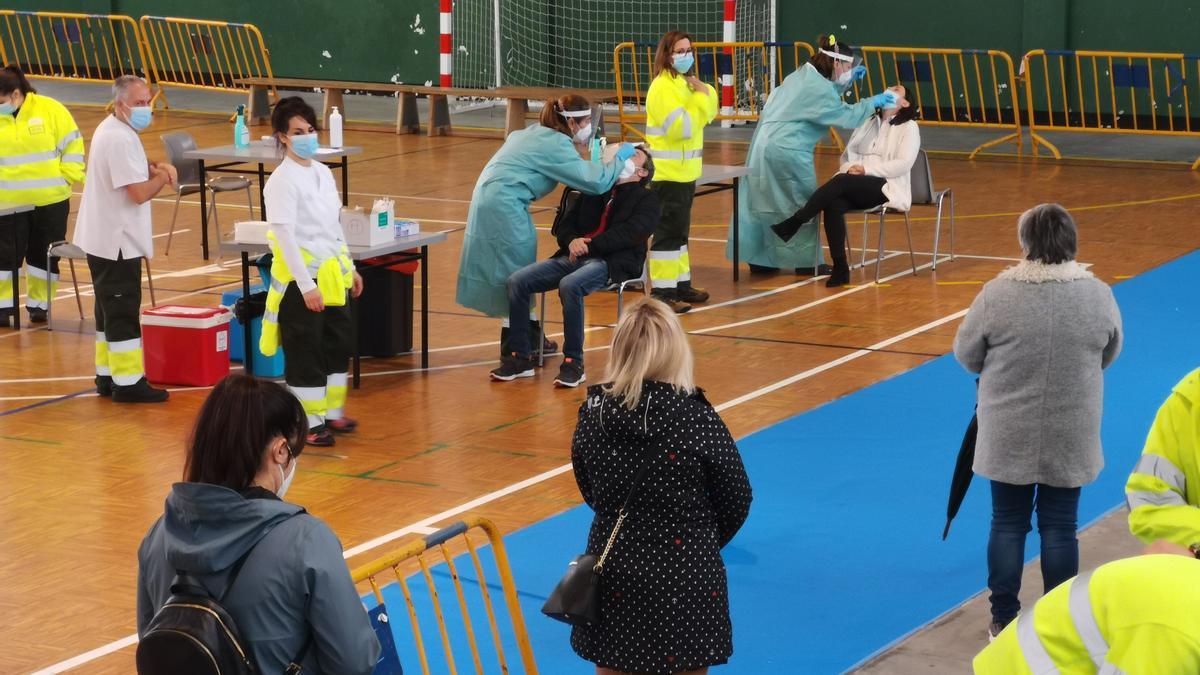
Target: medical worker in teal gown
pixel 782 177
pixel 500 237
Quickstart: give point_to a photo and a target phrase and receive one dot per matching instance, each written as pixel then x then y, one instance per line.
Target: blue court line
pixel 842 553
pixel 39 404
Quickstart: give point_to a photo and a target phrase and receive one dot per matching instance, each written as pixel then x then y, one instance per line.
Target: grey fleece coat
pixel 1040 336
pixel 294 583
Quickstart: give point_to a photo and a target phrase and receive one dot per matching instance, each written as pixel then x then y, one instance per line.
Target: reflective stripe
pixel 278 286
pixel 29 158
pixel 312 399
pixel 675 114
pixel 681 155
pixel 1032 648
pixel 125 345
pixel 1110 669
pixel 664 268
pixel 1080 604
pixel 685 265
pixel 1162 469
pixel 125 361
pixel 67 140
pixel 38 273
pixel 77 158
pixel 33 183
pixel 271 317
pixel 6 290
pixel 1168 498
pixel 336 390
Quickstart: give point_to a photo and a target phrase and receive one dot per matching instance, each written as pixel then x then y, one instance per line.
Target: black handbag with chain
pixel 576 599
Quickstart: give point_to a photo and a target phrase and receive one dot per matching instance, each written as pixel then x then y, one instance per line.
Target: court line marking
pixel 424 524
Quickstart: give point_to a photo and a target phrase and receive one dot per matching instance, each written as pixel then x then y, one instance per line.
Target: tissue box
pixel 366 229
pixel 251 232
pixel 407 228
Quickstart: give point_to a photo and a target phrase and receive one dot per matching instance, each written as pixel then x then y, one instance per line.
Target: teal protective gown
pixel 500 237
pixel 782 176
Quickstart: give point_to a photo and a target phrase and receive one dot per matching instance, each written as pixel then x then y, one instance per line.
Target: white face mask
pixel 628 171
pixel 844 78
pixel 287 478
pixel 584 134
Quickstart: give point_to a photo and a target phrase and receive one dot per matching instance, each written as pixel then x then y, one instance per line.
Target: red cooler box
pixel 186 345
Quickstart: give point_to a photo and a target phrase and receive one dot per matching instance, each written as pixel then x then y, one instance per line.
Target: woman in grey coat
pixel 1039 335
pixel 293 597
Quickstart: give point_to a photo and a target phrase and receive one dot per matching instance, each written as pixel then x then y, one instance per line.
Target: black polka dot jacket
pixel 664 602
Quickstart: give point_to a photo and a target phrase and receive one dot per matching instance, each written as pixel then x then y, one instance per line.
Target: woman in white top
pixel 307 305
pixel 875 168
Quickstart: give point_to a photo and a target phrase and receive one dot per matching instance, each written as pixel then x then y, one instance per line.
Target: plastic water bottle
pixel 241 134
pixel 335 128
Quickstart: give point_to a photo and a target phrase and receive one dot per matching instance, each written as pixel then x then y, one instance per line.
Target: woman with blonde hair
pixel 654 460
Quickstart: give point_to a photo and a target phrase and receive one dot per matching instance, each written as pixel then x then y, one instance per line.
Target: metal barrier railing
pixel 1110 92
pixel 952 87
pixel 72 47
pixel 412 556
pixel 756 67
pixel 197 54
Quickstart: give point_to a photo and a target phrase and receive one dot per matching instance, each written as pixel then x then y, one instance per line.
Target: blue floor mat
pixel 842 553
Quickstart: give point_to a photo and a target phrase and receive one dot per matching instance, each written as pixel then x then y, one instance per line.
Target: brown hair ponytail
pixel 552 111
pixel 823 62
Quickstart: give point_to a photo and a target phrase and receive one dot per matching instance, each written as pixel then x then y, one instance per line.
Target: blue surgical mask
pixel 683 62
pixel 7 108
pixel 140 117
pixel 305 145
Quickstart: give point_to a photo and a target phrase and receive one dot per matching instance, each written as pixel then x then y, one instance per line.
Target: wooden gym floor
pixel 84 478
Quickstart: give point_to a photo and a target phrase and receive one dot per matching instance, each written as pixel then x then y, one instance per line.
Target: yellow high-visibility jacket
pixel 335 276
pixel 675 121
pixel 1132 616
pixel 1163 492
pixel 41 153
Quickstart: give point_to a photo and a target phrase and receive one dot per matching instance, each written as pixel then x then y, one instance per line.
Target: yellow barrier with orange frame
pixel 414 551
pixel 967 87
pixel 1110 92
pixel 72 47
pixel 211 55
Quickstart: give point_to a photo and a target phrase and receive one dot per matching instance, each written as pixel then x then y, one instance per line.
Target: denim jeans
pixel 574 281
pixel 1012 509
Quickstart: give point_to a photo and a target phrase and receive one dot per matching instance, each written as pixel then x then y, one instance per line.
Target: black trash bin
pixel 385 310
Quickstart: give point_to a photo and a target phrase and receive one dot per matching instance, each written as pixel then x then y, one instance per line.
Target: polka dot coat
pixel 664 602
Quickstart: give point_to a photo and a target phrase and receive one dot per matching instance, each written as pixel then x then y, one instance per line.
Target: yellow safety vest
pixel 43 153
pixel 675 120
pixel 1163 492
pixel 334 277
pixel 1132 616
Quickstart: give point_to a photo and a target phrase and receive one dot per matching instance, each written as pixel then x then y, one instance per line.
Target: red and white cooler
pixel 186 345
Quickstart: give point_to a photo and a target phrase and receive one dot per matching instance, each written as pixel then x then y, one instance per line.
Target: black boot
pixel 839 276
pixel 141 392
pixel 672 300
pixel 37 315
pixel 787 229
pixel 822 269
pixel 104 385
pixel 690 294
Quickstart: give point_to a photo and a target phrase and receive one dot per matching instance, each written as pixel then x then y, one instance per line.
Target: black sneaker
pixel 514 366
pixel 549 347
pixel 141 392
pixel 104 385
pixel 319 437
pixel 570 374
pixel 690 294
pixel 342 425
pixel 37 315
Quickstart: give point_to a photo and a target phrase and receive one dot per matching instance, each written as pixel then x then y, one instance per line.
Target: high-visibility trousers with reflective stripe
pixel 34 232
pixel 670 264
pixel 318 347
pixel 118 288
pixel 6 289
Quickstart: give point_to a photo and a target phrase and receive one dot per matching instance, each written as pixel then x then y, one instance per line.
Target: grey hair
pixel 122 85
pixel 1047 234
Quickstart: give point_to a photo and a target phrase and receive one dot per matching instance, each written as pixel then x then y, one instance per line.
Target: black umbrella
pixel 962 473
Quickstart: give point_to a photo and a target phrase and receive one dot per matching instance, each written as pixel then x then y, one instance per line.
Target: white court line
pixel 534 480
pixel 167 234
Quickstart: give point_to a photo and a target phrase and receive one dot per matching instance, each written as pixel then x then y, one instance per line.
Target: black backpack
pixel 192 634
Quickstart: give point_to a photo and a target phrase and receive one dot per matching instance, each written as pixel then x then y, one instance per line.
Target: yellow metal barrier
pixel 1110 92
pixel 412 558
pixel 211 55
pixel 72 47
pixel 757 68
pixel 953 87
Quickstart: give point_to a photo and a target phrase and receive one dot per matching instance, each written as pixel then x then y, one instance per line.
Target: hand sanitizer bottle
pixel 335 128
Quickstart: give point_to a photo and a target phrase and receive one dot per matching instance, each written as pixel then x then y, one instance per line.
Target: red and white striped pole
pixel 447 46
pixel 729 35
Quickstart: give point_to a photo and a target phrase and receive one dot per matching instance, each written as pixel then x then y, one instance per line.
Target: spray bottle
pixel 241 135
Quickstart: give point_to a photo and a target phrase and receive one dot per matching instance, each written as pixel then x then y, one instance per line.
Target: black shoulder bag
pixel 576 599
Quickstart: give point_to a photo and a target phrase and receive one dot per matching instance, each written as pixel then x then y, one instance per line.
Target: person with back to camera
pixel 500 237
pixel 664 605
pixel 782 176
pixel 1040 336
pixel 292 595
pixel 875 171
pixel 312 276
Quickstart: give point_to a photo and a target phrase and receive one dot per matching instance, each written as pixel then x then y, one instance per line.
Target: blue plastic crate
pixel 264 366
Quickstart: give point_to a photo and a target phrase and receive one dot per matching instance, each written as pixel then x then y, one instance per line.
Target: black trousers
pixel 838 195
pixel 33 231
pixel 315 344
pixel 118 288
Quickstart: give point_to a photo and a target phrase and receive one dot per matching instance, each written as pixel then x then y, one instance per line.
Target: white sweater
pixel 887 151
pixel 303 207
